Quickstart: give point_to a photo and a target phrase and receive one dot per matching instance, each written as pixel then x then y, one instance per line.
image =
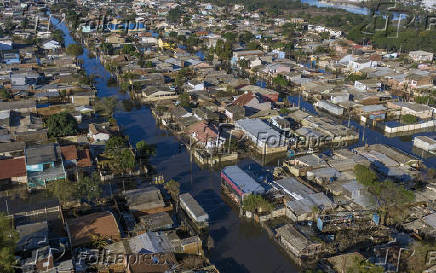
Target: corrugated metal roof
pixel 242 180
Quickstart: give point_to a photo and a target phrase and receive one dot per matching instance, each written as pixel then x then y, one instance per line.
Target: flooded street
pixel 240 246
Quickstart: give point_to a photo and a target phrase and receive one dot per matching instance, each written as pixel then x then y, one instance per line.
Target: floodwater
pixel 239 246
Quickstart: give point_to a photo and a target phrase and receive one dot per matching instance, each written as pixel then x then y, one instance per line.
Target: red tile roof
pixel 242 100
pixel 82 229
pixel 69 152
pixel 84 159
pixel 203 132
pixel 12 168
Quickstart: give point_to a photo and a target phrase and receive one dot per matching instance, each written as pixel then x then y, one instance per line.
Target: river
pixel 240 246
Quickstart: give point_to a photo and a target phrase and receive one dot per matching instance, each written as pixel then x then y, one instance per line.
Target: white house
pixel 421 56
pixel 51 45
pixel 357 65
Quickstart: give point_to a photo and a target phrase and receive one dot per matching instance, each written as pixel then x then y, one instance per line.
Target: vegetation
pixel 280 81
pixel 185 100
pixel 120 159
pixel 391 197
pixel 256 203
pixel 174 15
pixel 8 239
pixel 4 93
pixel 106 105
pixel 85 188
pixel 408 119
pixel 364 266
pixel 418 256
pixel 356 77
pixel 429 100
pixel 144 150
pixel 75 50
pixel 173 188
pixel 62 124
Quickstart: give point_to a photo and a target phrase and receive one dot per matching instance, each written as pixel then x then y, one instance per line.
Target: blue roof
pixel 241 179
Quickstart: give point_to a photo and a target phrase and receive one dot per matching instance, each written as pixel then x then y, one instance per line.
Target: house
pixel 31 236
pixel 145 201
pixel 421 56
pixel 330 107
pixel 11 58
pixel 51 45
pixel 13 170
pixel 83 98
pixel 205 113
pixel 425 142
pixel 82 230
pixel 238 55
pixel 32 209
pixel 205 134
pixel 12 149
pixel 265 138
pixel 239 183
pixel 21 106
pixel 359 64
pixel 69 155
pixel 300 199
pixel 234 112
pixel 252 103
pixel 296 242
pixel 98 133
pixel 195 85
pixel 158 93
pixel 193 209
pixel 6 44
pixel 44 164
pixel 415 109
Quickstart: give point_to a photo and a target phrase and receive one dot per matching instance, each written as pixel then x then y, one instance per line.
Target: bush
pixel 408 119
pixel 62 124
pixel 255 203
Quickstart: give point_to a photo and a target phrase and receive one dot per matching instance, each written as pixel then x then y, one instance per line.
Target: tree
pixel 88 187
pixel 128 49
pixel 75 50
pixel 408 119
pixel 106 105
pixel 185 100
pixel 4 94
pixel 256 203
pixel 174 15
pixel 280 81
pixel 64 190
pixel 62 124
pixel 145 150
pixel 173 188
pixel 360 265
pixel 8 239
pixel 365 175
pixel 114 143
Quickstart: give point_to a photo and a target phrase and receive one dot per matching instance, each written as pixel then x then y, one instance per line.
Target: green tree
pixel 116 142
pixel 174 15
pixel 106 105
pixel 88 187
pixel 185 100
pixel 408 119
pixel 75 50
pixel 128 49
pixel 64 190
pixel 256 203
pixel 8 240
pixel 364 266
pixel 365 175
pixel 62 124
pixel 173 188
pixel 145 150
pixel 4 93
